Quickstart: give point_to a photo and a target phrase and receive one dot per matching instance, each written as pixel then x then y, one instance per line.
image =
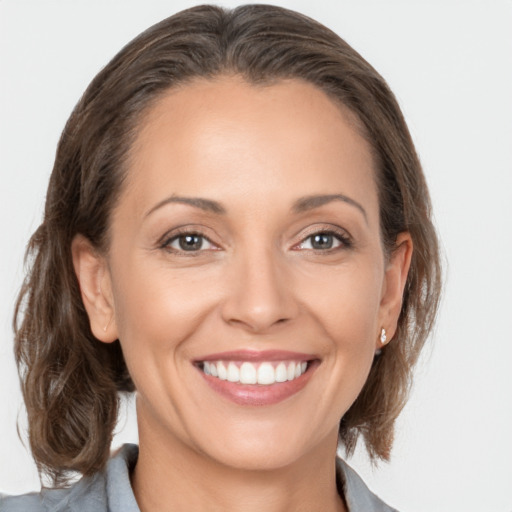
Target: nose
pixel 260 293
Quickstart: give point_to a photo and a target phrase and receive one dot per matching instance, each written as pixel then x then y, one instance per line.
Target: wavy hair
pixel 71 381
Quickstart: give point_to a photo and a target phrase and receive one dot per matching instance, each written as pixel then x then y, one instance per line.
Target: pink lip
pixel 255 394
pixel 258 355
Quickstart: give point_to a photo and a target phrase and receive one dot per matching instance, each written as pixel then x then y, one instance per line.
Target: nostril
pixel 259 304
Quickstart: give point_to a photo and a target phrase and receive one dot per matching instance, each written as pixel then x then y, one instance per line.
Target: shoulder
pixel 82 495
pixel 106 491
pixel 26 503
pixel 357 495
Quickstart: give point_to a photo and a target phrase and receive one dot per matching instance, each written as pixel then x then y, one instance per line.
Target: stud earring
pixel 383 337
pixel 106 326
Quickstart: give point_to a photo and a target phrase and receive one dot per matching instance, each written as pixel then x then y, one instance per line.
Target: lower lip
pixel 258 395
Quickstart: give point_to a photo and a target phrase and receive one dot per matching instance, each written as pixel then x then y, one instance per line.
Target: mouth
pixel 257 378
pixel 265 373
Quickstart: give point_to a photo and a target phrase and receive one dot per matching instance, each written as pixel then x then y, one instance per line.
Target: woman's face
pixel 246 245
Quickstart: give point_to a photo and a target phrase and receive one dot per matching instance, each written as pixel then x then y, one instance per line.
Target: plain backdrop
pixel 449 63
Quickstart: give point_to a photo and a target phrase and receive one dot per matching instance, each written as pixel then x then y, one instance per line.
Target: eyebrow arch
pixel 198 202
pixel 309 202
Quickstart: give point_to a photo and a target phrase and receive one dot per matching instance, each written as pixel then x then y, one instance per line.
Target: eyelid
pixel 329 229
pixel 177 237
pixel 172 235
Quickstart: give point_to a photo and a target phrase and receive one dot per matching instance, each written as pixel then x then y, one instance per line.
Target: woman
pixel 238 228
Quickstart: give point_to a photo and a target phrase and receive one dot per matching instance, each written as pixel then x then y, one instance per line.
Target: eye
pixel 188 242
pixel 324 241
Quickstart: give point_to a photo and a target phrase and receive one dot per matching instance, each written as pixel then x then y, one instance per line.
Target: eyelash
pixel 168 240
pixel 343 238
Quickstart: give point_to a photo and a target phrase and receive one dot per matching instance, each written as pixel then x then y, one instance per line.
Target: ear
pixel 395 278
pixel 93 276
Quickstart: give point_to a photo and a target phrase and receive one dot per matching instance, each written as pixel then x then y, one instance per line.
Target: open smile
pixel 265 373
pixel 257 378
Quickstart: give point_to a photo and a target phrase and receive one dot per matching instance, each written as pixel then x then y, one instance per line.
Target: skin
pixel 256 283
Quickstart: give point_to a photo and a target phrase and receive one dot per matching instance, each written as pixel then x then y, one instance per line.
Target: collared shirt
pixel 111 491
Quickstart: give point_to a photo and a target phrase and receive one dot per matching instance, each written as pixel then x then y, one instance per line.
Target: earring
pixel 106 326
pixel 383 337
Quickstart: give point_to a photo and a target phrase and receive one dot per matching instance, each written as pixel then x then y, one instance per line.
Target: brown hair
pixel 71 381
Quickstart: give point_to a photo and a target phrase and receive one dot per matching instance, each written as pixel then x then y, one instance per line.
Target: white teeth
pixel 291 371
pixel 248 374
pixel 221 371
pixel 233 373
pixel 281 373
pixel 265 373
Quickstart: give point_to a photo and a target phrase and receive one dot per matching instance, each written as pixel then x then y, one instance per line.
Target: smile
pixel 265 373
pixel 257 378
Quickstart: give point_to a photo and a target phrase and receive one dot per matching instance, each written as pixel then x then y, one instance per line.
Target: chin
pixel 254 458
pixel 264 449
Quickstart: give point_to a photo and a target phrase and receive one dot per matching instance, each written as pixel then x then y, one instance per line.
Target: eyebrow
pixel 204 204
pixel 302 204
pixel 315 201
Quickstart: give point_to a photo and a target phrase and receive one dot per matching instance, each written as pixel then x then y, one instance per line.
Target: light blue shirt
pixel 111 491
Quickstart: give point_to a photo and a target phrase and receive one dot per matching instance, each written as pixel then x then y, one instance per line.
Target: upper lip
pixel 258 356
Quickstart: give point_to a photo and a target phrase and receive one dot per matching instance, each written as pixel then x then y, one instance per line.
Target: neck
pixel 170 475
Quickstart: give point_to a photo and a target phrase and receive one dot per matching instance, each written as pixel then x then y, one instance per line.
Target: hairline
pixel 137 126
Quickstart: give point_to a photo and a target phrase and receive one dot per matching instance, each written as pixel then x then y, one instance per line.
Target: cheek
pixel 156 307
pixel 340 314
pixel 345 306
pixel 345 300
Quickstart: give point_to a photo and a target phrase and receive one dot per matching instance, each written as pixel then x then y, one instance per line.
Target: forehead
pixel 223 136
pixel 200 102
